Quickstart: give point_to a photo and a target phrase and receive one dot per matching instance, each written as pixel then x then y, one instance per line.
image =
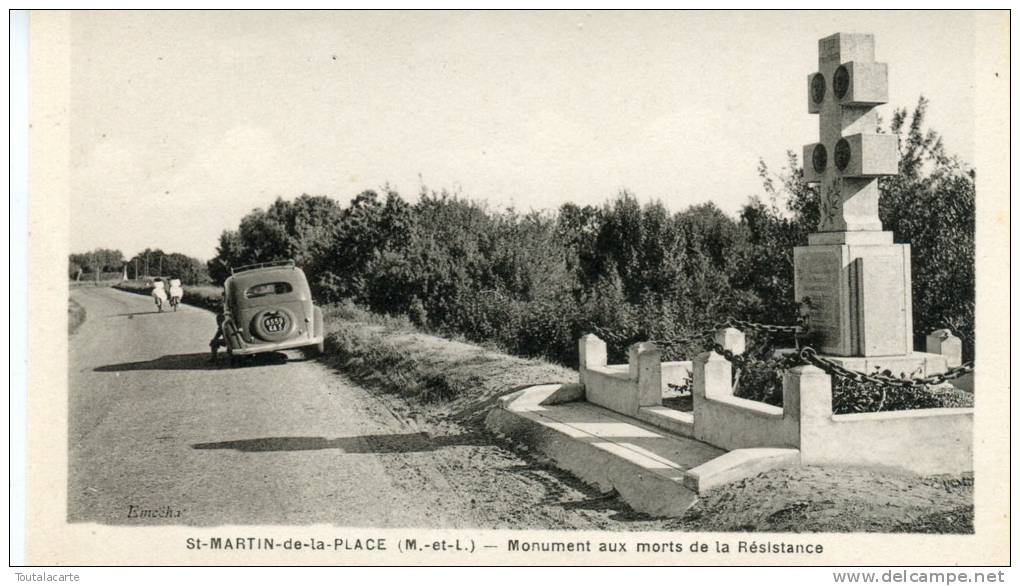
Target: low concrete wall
pixel 923 441
pixel 730 422
pixel 612 388
pixel 621 388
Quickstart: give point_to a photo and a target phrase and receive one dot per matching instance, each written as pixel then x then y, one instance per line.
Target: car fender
pixel 231 336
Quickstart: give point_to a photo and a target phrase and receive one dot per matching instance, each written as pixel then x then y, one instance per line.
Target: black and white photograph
pixel 517 287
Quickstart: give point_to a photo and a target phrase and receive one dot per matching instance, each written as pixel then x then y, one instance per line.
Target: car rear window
pixel 268 289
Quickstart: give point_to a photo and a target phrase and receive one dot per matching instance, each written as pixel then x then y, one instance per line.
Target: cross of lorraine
pixel 851 154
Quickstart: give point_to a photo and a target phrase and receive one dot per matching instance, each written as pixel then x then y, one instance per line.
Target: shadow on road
pixel 194 361
pixel 131 315
pixel 360 444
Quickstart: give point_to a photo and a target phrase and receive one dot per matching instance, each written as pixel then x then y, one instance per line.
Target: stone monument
pixel 854 279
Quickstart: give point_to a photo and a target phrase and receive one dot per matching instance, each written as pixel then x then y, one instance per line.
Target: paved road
pixel 156 430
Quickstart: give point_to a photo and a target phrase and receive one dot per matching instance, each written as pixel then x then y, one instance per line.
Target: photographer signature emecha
pixel 165 512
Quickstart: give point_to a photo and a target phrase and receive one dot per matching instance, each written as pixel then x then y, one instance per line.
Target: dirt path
pixel 157 428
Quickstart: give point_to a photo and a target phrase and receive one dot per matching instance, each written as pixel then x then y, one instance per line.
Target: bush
pixel 532 283
pixel 761 379
pixel 853 397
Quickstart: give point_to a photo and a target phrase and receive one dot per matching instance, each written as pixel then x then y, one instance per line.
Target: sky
pixel 182 122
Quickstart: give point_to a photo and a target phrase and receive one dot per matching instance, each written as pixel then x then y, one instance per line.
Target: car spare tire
pixel 273 325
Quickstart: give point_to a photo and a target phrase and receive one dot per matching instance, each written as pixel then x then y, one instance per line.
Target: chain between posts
pixel 795 329
pixel 831 367
pixel 739 324
pixel 806 355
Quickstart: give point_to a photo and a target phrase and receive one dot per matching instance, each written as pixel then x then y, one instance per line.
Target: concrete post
pixel 591 351
pixel 713 376
pixel 644 364
pixel 807 396
pixel 945 343
pixel 712 379
pixel 731 339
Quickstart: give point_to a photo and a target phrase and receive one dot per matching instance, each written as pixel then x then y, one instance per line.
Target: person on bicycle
pixel 159 292
pixel 176 292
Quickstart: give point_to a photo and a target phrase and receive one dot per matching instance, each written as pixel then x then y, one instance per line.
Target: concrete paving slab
pixel 671 420
pixel 738 464
pixel 653 470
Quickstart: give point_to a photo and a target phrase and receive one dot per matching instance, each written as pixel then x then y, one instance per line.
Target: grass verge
pixel 451 379
pixel 88 283
pixel 75 316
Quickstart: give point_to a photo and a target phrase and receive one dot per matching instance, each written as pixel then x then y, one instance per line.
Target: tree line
pixel 106 264
pixel 94 264
pixel 534 281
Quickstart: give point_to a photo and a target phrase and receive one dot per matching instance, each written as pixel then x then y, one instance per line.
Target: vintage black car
pixel 268 307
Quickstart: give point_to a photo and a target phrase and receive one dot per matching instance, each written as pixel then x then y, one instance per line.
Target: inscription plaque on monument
pixel 818 287
pixel 821 280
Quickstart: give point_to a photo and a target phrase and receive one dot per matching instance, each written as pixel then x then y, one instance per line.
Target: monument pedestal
pixel 912 365
pixel 857 289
